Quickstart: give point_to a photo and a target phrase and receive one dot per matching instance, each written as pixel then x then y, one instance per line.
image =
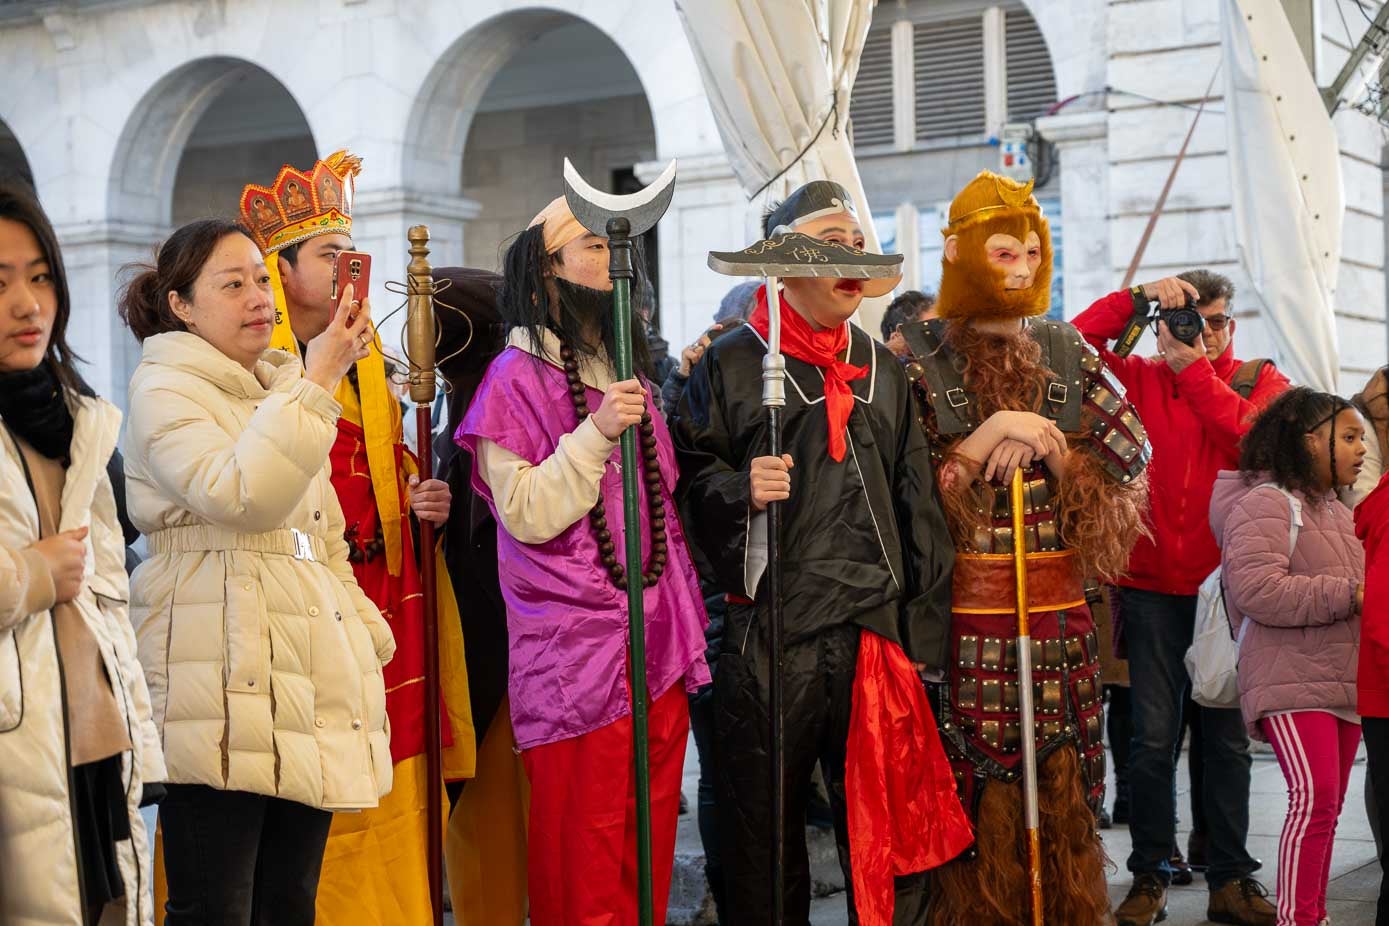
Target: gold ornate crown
pixel 300 206
pixel 986 195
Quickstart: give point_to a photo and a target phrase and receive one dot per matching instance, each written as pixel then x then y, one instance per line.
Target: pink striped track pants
pixel 1315 750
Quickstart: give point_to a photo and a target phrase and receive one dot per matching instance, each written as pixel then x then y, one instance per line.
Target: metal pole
pixel 420 331
pixel 621 272
pixel 1026 708
pixel 1371 43
pixel 773 400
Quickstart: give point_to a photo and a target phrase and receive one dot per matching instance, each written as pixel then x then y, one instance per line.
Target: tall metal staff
pixel 420 333
pixel 620 219
pixel 787 254
pixel 1026 707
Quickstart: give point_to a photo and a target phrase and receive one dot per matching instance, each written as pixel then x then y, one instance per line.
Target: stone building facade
pixel 134 115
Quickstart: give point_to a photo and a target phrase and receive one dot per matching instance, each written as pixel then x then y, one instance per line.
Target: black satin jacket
pixel 864 540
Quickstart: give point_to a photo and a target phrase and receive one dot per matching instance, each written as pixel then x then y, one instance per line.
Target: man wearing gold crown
pixel 375 865
pixel 999 389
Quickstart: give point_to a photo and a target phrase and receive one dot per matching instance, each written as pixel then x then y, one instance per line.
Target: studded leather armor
pixel 978 710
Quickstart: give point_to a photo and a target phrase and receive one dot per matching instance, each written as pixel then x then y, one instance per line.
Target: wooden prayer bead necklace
pixel 651 470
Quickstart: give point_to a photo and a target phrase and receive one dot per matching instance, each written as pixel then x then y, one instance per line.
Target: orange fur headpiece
pixel 970 286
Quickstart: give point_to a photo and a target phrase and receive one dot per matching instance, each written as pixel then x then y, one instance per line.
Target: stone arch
pixel 448 99
pixel 154 138
pixel 530 119
pixel 14 164
pixel 1078 53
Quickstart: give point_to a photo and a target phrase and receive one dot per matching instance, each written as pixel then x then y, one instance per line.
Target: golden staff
pixel 1026 707
pixel 419 326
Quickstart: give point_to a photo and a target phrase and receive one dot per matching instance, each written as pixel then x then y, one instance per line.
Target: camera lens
pixel 1186 324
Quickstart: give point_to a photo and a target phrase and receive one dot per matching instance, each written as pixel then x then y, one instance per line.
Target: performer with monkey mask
pixel 999 389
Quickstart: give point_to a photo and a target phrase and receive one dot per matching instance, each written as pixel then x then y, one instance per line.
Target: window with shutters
pixel 949 59
pixel 871 105
pixel 1031 81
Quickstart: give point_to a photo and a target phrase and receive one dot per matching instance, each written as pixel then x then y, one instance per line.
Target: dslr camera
pixel 1185 323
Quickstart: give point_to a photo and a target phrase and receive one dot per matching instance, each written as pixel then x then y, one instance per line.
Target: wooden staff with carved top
pixel 421 337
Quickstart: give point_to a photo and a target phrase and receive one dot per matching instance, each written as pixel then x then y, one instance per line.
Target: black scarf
pixel 33 407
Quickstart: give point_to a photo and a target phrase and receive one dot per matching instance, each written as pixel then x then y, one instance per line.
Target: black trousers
pixel 817 702
pixel 1376 733
pixel 238 859
pixel 702 726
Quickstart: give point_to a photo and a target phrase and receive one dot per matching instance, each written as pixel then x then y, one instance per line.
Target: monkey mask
pixel 999 217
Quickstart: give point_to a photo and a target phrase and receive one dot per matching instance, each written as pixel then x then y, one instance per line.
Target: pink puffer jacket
pixel 1302 644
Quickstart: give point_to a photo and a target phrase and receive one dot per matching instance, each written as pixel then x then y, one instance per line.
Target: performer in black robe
pixel 865 547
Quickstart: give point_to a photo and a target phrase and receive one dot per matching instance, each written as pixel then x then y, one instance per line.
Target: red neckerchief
pixel 820 349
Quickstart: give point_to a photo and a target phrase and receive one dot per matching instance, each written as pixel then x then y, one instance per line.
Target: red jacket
pixel 1372 527
pixel 1195 422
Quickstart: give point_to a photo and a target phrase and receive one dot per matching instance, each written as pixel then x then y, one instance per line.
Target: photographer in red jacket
pixel 1196 401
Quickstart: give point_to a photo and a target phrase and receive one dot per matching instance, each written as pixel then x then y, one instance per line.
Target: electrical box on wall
pixel 1013 159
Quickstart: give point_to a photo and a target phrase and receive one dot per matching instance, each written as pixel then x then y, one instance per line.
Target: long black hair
pixel 1277 445
pixel 19 204
pixel 523 302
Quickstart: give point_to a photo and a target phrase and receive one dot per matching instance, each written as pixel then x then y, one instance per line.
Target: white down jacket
pixel 38 858
pixel 263 655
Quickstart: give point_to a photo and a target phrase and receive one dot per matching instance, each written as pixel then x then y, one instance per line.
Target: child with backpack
pixel 1293 576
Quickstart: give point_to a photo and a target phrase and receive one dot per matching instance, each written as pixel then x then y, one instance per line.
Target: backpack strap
pixel 1247 376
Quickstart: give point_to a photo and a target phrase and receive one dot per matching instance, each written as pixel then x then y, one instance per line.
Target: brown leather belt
pixel 984 583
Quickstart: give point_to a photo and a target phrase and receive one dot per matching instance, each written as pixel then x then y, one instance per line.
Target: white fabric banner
pixel 1285 180
pixel 778 74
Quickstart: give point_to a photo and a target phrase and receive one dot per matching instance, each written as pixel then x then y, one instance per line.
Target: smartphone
pixel 352 267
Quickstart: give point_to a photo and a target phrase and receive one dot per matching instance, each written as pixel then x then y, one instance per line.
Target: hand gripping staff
pixel 620 219
pixel 787 254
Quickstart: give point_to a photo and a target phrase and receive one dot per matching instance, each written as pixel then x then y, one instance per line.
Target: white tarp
pixel 1285 179
pixel 778 74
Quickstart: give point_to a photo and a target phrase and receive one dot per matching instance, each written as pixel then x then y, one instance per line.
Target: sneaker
pixel 1181 871
pixel 1146 903
pixel 1242 902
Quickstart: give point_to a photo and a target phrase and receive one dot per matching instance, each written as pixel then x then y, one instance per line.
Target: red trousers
pixel 582 850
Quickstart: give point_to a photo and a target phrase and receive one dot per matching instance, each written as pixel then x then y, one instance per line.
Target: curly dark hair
pixel 908 307
pixel 1275 444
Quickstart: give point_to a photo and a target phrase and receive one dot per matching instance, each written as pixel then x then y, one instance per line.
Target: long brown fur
pixel 992 890
pixel 971 287
pixel 966 498
pixel 1099 517
pixel 1004 371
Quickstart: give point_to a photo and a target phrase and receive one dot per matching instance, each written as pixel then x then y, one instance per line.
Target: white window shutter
pixel 870 108
pixel 1031 78
pixel 950 79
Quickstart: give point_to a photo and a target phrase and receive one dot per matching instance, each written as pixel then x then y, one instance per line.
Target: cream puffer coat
pixel 38 857
pixel 263 655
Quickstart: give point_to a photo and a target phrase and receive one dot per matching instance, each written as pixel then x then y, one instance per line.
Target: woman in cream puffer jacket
pixel 38 863
pixel 78 750
pixel 262 654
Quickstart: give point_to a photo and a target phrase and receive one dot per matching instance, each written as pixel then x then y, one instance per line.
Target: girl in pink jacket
pixel 1293 573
